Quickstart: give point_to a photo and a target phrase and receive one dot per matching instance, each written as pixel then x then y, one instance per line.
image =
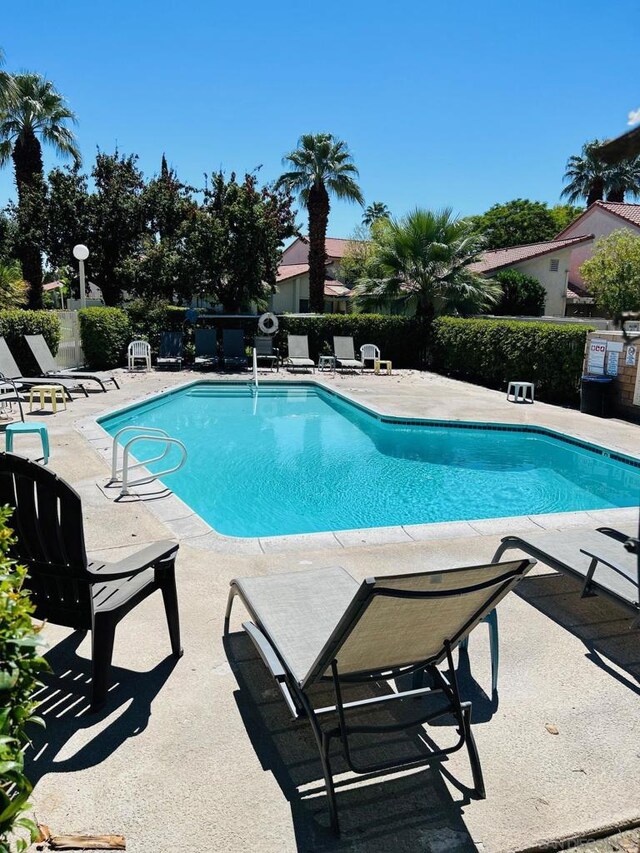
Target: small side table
pixel 382 363
pixel 50 391
pixel 327 362
pixel 521 392
pixel 33 426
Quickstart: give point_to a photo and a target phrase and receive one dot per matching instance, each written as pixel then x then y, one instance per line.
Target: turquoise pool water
pixel 297 459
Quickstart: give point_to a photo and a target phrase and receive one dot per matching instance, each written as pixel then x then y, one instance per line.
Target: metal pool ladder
pixel 155 434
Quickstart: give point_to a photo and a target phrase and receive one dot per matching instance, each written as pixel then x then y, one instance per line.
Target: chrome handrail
pixel 115 471
pixel 168 441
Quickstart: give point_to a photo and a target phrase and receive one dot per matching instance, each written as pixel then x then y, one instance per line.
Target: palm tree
pixel 6 84
pixel 424 262
pixel 591 179
pixel 36 113
pixel 321 164
pixel 374 211
pixel 13 289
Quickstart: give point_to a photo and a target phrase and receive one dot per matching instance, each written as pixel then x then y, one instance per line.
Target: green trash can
pixel 596 396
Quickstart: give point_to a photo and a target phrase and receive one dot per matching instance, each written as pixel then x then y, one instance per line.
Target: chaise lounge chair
pixel 67 587
pixel 322 625
pixel 345 355
pixel 170 352
pixel 298 353
pixel 266 351
pixel 47 364
pixel 597 558
pixel 233 354
pixel 10 369
pixel 206 348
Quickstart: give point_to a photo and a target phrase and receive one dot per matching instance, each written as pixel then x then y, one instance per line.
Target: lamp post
pixel 81 253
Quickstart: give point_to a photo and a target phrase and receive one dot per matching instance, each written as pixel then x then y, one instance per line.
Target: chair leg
pixel 494 639
pixel 102 636
pixel 170 597
pixel 474 758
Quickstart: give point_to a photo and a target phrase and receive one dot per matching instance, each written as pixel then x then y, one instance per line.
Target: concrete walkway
pixel 202 756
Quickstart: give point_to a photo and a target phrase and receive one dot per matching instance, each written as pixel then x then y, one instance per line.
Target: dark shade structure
pixel 621 148
pixel 67 587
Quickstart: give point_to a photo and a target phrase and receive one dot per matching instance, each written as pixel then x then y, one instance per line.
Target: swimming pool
pixel 297 458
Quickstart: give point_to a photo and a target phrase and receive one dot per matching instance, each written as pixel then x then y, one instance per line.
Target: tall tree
pixel 321 165
pixel 515 223
pixel 424 263
pixel 591 179
pixel 35 113
pixel 117 222
pixel 374 211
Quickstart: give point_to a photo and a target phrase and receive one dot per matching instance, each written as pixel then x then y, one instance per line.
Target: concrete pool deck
pixel 201 755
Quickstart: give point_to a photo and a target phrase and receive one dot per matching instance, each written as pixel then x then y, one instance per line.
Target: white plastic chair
pixel 141 351
pixel 369 352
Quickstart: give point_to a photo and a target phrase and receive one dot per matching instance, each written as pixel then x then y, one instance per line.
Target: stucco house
pixel 292 281
pixel 549 262
pixel 600 219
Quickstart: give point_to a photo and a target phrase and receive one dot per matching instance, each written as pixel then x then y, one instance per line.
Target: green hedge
pixel 14 324
pixel 20 667
pixel 403 340
pixel 493 352
pixel 105 335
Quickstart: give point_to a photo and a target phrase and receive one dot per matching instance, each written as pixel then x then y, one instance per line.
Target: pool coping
pixel 190 528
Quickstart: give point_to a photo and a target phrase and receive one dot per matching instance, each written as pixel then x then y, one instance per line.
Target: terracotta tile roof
pixel 498 258
pixel 628 212
pixel 336 247
pixel 336 289
pixel 286 271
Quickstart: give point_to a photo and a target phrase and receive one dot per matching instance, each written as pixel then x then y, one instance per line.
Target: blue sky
pixel 463 104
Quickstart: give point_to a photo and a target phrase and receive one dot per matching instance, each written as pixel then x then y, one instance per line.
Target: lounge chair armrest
pixel 138 562
pixel 613 533
pixel 266 651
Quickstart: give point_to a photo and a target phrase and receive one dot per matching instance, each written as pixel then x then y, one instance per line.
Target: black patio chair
pixel 67 587
pixel 266 351
pixel 170 352
pixel 233 354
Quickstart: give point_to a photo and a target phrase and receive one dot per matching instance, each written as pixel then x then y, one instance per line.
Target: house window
pixel 303 306
pixel 554 265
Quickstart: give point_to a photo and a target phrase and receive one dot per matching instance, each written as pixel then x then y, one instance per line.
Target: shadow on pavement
pixel 64 706
pixel 605 629
pixel 411 811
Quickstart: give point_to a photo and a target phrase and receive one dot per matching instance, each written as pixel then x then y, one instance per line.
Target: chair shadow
pixel 605 629
pixel 64 704
pixel 399 812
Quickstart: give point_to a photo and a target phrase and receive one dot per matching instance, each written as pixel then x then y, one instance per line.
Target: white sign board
pixel 630 355
pixel 596 355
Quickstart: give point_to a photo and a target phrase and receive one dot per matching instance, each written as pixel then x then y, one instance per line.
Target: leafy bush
pixel 149 319
pixel 105 335
pixel 492 352
pixel 400 339
pixel 521 294
pixel 16 323
pixel 20 665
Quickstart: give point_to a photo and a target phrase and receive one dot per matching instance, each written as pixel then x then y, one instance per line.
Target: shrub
pixel 402 340
pixel 105 335
pixel 16 323
pixel 521 294
pixel 492 352
pixel 20 665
